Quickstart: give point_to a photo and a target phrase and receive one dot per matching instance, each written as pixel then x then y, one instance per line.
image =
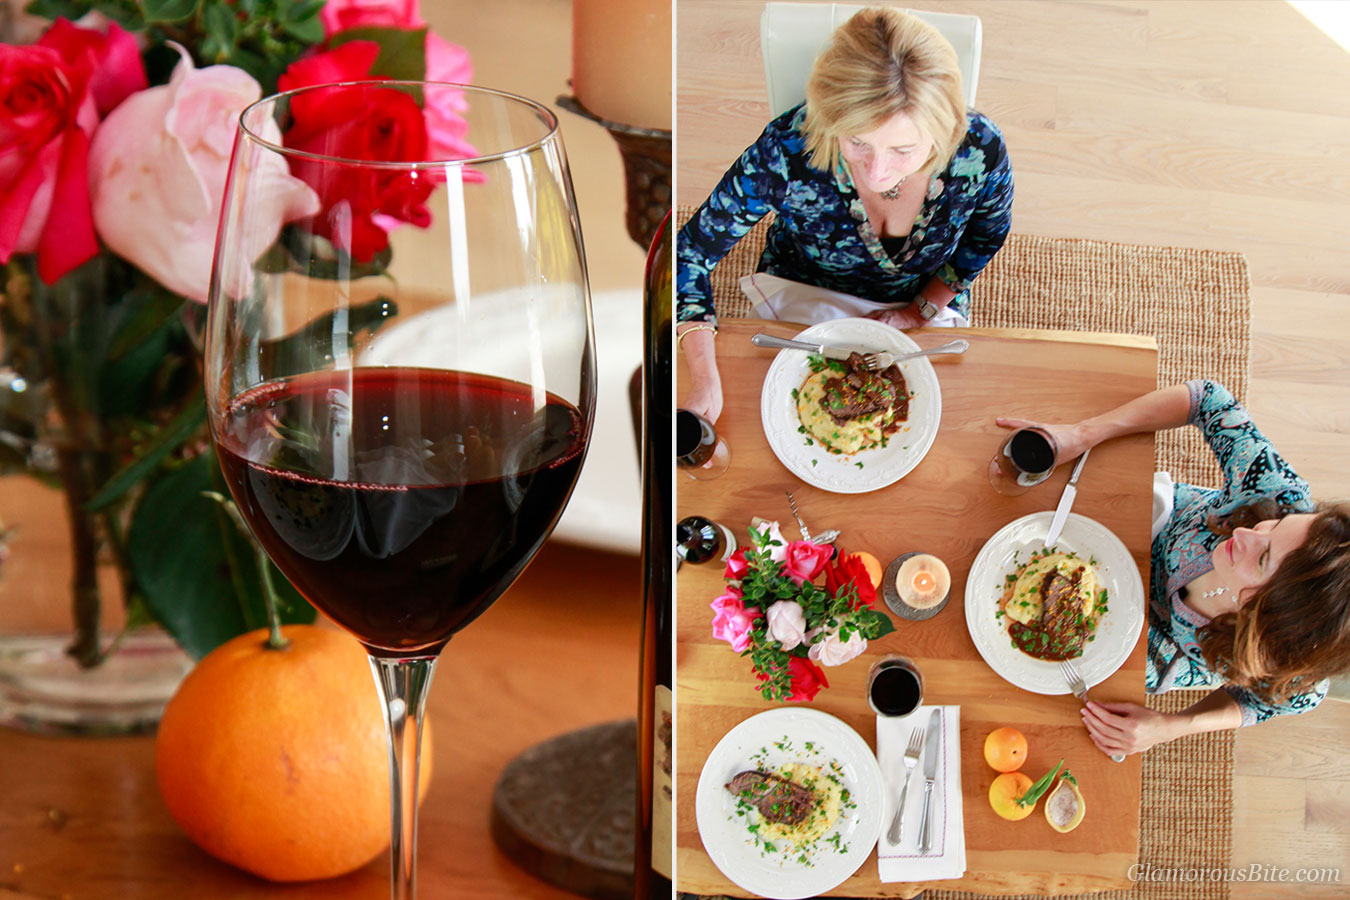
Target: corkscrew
pixel 829 536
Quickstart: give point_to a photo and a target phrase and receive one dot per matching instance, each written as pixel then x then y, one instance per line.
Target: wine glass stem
pixel 403 685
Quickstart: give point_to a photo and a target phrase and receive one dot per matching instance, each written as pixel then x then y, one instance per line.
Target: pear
pixel 1064 807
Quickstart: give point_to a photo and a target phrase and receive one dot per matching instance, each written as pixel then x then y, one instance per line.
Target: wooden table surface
pixel 947 507
pixel 557 652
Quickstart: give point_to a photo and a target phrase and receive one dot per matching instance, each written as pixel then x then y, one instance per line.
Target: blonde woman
pixel 884 186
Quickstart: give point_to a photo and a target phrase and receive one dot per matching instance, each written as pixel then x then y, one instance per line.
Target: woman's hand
pixel 1126 727
pixel 1069 439
pixel 705 383
pixel 704 398
pixel 901 317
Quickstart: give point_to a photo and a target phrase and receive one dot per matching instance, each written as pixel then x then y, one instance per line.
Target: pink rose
pixel 806 560
pixel 732 621
pixel 53 93
pixel 831 651
pixel 339 15
pixel 786 623
pixel 157 172
pixel 737 566
pixel 807 679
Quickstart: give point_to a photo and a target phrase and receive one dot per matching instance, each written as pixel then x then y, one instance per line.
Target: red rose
pixel 372 123
pixel 737 566
pixel 807 679
pixel 51 94
pixel 805 560
pixel 849 568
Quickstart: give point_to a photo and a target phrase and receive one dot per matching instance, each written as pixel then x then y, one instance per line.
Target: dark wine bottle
pixel 700 540
pixel 654 850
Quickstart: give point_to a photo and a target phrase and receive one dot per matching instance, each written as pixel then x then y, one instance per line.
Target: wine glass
pixel 1024 459
pixel 400 365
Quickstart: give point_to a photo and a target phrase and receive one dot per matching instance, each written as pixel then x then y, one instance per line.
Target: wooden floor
pixel 1222 125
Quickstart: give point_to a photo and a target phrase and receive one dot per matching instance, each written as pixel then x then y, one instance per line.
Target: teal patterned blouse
pixel 821 236
pixel 1181 551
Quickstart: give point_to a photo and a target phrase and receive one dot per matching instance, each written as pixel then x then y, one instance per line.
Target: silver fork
pixel 911 760
pixel 1079 688
pixel 883 360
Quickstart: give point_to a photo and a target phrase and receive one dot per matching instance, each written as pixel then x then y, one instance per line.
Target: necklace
pixel 893 191
pixel 1216 592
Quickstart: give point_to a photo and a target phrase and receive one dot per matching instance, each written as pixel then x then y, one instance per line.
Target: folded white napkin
pixel 772 297
pixel 946 857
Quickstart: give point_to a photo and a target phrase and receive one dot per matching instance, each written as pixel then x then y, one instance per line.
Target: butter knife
pixel 931 743
pixel 1066 500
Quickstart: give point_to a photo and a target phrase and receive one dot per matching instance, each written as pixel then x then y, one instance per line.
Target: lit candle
pixel 923 581
pixel 621 60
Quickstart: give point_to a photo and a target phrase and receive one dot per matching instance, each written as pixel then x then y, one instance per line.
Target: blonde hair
pixel 879 63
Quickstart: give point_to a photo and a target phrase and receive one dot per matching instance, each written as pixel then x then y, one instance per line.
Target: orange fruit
pixel 276 761
pixel 1005 749
pixel 1003 794
pixel 871 564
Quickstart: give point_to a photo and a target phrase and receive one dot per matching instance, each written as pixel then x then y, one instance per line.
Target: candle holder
pixel 646 170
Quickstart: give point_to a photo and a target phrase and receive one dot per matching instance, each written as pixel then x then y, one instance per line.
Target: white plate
pixel 724 834
pixel 1117 631
pixel 605 510
pixel 881 466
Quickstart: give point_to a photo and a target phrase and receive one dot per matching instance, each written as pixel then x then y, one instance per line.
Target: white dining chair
pixel 792 34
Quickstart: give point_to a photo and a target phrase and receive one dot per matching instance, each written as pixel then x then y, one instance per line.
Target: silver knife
pixel 777 343
pixel 931 743
pixel 1066 501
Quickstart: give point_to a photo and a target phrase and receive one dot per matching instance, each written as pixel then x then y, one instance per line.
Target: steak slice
pixel 778 800
pixel 1062 616
pixel 858 392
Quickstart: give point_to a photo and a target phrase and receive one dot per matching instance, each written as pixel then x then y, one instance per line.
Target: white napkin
pixel 946 857
pixel 772 297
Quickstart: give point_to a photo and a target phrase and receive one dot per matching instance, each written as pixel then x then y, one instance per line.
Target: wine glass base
pixel 564 810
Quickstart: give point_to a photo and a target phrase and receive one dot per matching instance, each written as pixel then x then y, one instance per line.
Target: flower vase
pixel 43 687
pixel 78 396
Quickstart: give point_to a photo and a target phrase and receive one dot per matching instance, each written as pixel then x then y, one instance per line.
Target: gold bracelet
pixel 702 326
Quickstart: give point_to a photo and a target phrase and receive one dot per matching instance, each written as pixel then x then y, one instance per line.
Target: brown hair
pixel 879 63
pixel 1296 629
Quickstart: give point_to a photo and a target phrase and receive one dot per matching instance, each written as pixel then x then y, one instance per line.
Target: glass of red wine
pixel 400 365
pixel 894 686
pixel 1025 459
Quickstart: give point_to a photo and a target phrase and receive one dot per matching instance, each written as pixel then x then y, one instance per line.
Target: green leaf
pixel 59 9
pixel 223 27
pixel 168 10
pixel 168 439
pixel 310 30
pixel 403 52
pixel 195 569
pixel 142 312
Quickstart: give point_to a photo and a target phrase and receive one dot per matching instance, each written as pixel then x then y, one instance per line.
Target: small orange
pixel 871 564
pixel 276 760
pixel 1004 793
pixel 1005 749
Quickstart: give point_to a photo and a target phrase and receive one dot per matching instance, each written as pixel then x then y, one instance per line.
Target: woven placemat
pixel 1197 305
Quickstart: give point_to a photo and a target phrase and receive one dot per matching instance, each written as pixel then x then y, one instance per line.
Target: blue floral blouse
pixel 1181 551
pixel 821 235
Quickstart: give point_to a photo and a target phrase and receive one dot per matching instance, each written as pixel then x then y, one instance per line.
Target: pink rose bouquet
pixel 775 613
pixel 116 130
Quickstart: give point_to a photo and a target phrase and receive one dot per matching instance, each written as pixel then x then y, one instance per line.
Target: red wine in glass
pixel 894 687
pixel 400 501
